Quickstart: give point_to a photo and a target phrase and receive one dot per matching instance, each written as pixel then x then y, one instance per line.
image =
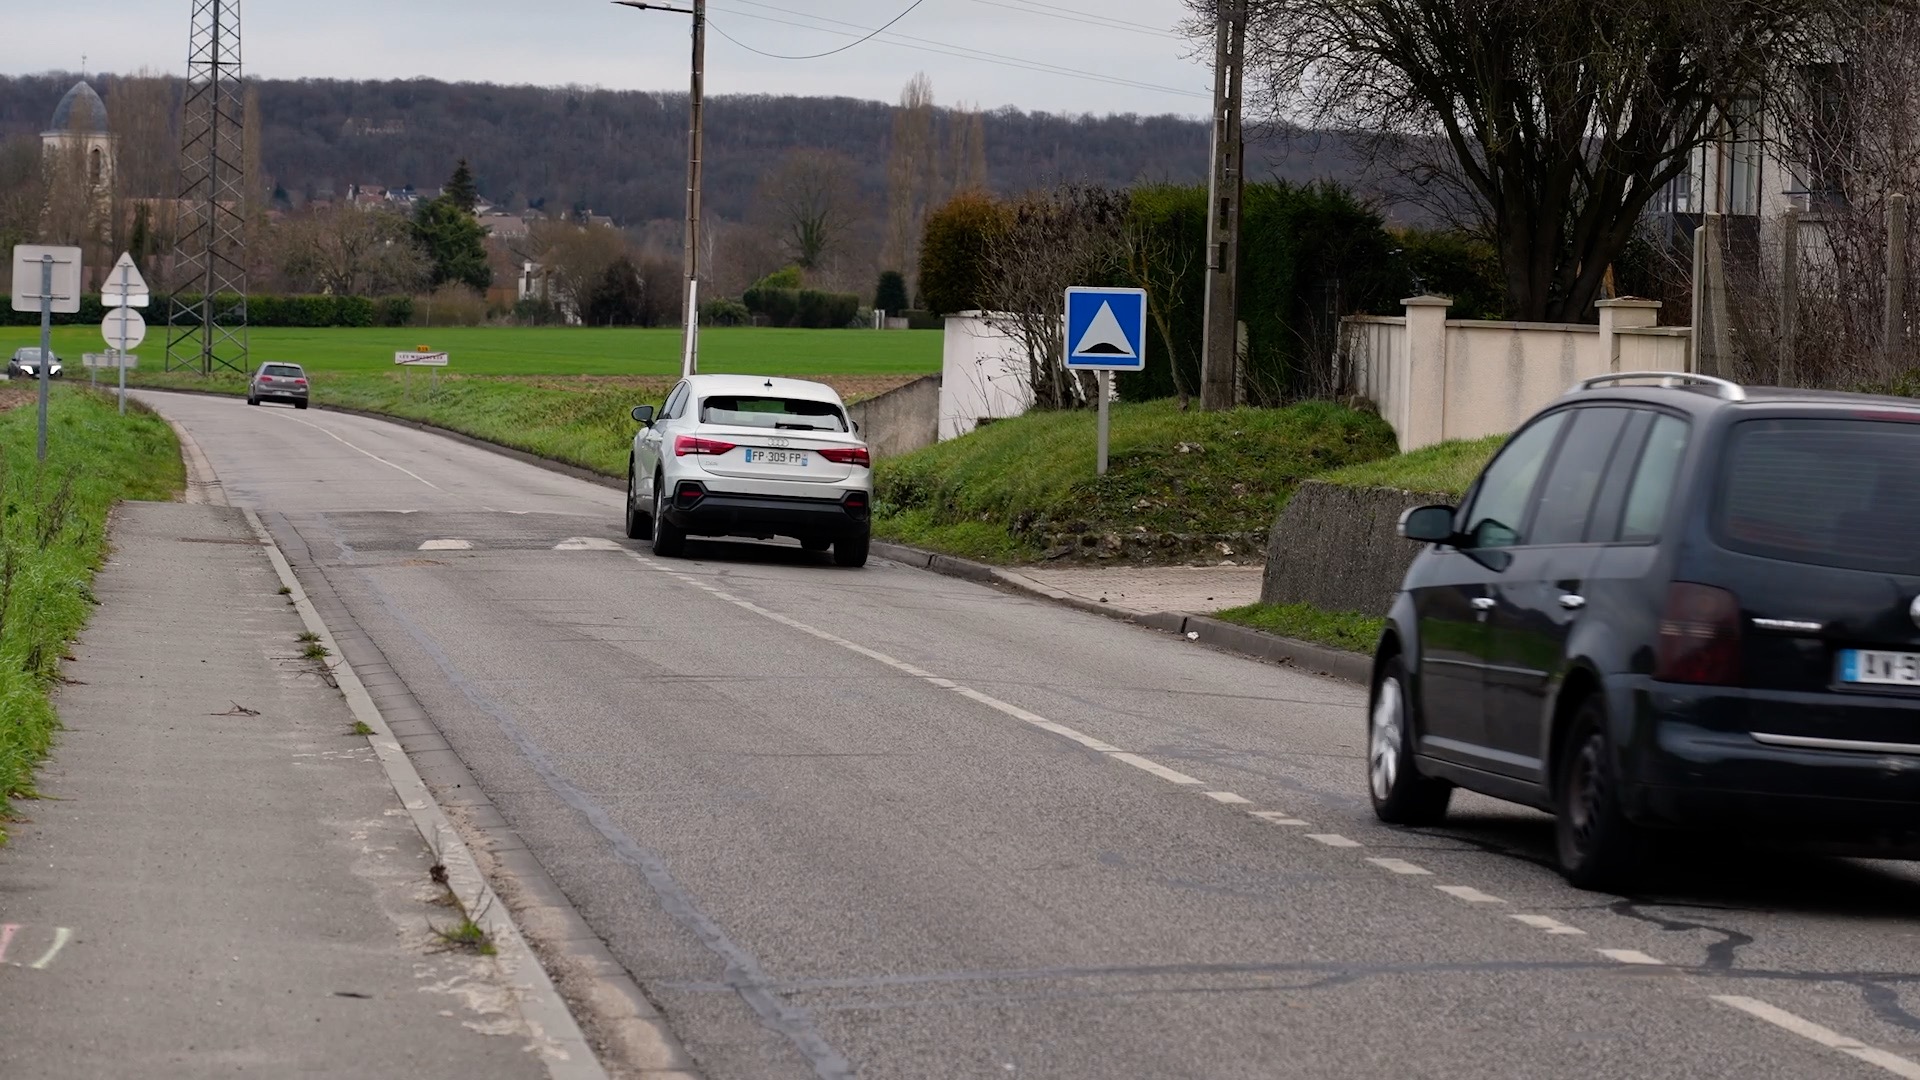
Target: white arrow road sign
pixel 124 286
pixel 124 328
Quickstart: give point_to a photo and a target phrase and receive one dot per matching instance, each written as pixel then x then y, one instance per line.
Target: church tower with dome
pixel 80 128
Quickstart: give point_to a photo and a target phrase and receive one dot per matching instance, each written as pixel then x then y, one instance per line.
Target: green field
pixel 488 350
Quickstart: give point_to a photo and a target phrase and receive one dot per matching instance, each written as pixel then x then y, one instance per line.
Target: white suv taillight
pixel 684 445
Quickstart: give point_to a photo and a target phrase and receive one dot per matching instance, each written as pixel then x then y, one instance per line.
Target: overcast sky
pixel 1128 43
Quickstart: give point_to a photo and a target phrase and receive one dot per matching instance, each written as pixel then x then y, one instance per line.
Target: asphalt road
pixel 881 823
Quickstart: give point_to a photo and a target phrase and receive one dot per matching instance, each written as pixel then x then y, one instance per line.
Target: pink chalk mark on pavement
pixel 6 938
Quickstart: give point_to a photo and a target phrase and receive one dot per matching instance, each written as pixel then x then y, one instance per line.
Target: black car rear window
pixel 283 371
pixel 792 414
pixel 1843 493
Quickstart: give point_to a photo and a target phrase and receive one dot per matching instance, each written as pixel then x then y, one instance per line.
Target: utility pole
pixel 1219 356
pixel 690 356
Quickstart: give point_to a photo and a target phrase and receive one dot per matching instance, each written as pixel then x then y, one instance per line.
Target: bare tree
pixel 1159 263
pixel 23 192
pixel 350 251
pixel 909 170
pixel 967 149
pixel 1559 120
pixel 577 257
pixel 1052 240
pixel 811 199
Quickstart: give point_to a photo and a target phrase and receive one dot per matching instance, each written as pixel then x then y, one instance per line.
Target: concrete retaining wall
pixel 1339 548
pixel 901 420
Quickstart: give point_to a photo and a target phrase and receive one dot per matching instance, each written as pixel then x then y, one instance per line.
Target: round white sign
pixel 124 328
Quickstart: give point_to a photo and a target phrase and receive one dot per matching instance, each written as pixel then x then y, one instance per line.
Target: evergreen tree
pixel 455 243
pixel 461 190
pixel 891 295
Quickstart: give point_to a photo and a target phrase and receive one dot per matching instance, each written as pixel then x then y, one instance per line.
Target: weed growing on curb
pixel 466 934
pixel 360 728
pixel 284 591
pixel 307 637
pixel 315 651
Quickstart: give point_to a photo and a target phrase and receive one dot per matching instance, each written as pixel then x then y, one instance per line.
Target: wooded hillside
pixel 623 154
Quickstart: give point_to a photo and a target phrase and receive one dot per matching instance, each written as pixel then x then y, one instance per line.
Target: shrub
pixel 725 312
pixel 791 277
pixel 890 295
pixel 452 304
pixel 953 252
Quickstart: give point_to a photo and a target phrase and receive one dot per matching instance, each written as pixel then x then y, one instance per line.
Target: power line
pixel 943 49
pixel 1055 11
pixel 829 52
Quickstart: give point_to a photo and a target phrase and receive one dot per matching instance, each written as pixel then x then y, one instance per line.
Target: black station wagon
pixel 1670 602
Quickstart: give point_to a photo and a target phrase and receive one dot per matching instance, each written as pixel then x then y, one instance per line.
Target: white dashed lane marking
pixel 1550 924
pixel 447 545
pixel 1400 866
pixel 1276 817
pixel 1826 1037
pixel 1228 797
pixel 1470 894
pixel 1333 840
pixel 1171 776
pixel 1631 956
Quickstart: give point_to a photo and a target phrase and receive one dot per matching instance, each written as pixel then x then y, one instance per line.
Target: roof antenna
pixel 769 382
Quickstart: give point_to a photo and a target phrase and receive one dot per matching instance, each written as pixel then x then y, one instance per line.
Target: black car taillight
pixel 1699 636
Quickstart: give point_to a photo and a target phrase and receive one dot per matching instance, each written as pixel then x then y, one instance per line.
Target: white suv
pixel 743 455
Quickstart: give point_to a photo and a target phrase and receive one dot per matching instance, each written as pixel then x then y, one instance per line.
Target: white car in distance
pixel 745 455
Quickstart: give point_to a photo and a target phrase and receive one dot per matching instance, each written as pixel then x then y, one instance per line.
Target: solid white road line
pixel 1550 924
pixel 1470 894
pixel 1826 1037
pixel 1631 956
pixel 1333 840
pixel 369 453
pixel 1400 866
pixel 447 545
pixel 1227 797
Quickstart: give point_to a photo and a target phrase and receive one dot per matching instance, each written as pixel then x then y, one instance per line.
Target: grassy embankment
pixel 1023 488
pixel 562 393
pixel 52 538
pixel 1446 469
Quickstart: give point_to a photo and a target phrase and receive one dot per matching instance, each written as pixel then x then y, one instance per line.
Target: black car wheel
pixel 851 550
pixel 1401 796
pixel 639 525
pixel 1598 846
pixel 667 540
pixel 251 400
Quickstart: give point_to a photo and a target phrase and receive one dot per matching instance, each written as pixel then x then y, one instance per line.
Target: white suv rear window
pixel 787 414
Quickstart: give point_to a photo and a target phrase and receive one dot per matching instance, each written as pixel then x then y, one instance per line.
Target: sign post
pixel 426 358
pixel 124 327
pixel 57 269
pixel 1106 332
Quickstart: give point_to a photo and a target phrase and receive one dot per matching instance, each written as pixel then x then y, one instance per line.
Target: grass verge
pixel 1448 468
pixel 1016 488
pixel 1349 630
pixel 53 537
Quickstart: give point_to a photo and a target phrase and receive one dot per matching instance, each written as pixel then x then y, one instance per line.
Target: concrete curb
pixel 1225 636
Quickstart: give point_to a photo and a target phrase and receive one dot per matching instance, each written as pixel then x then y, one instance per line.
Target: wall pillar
pixel 1625 313
pixel 1423 408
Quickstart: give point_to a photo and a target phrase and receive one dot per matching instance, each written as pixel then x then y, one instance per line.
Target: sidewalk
pixel 1145 590
pixel 221 880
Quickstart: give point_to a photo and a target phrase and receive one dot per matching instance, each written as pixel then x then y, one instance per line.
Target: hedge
pixel 289 311
pixel 807 308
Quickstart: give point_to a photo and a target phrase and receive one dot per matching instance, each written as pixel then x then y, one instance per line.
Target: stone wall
pixel 901 420
pixel 1339 548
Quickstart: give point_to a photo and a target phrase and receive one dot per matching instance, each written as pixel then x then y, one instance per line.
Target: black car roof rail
pixel 1725 388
